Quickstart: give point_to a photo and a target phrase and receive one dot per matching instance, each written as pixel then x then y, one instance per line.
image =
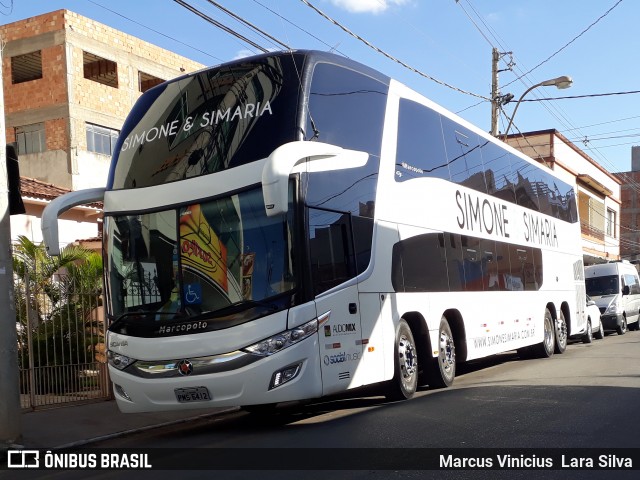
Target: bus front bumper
pixel 248 385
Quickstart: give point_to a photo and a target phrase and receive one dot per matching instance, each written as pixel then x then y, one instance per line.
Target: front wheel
pixel 405 380
pixel 442 369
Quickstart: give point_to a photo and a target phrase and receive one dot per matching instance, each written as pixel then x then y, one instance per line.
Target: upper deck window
pixel 208 122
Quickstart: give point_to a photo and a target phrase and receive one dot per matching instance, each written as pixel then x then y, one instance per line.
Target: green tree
pixel 55 299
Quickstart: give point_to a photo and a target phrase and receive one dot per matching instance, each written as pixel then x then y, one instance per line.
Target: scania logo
pixel 185 367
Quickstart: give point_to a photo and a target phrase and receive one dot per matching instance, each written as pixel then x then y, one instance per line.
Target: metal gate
pixel 61 341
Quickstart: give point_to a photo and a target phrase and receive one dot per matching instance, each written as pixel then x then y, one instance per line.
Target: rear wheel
pixel 442 369
pixel 405 379
pixel 546 348
pixel 561 333
pixel 588 335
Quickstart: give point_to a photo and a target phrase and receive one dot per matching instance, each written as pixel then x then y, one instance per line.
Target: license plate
pixel 192 394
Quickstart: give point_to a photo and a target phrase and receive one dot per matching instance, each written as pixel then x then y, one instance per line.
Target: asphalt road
pixel 588 397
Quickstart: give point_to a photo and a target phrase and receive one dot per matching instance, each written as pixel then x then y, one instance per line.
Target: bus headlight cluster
pixel 118 360
pixel 282 340
pixel 283 376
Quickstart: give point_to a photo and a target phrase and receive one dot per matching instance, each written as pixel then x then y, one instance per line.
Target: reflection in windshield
pixel 599 286
pixel 197 259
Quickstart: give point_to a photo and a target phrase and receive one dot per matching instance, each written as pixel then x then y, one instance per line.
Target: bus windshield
pixel 197 259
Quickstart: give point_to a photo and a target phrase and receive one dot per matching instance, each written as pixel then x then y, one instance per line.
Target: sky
pixel 445 46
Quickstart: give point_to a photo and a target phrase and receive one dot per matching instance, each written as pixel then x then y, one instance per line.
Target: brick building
pixel 630 213
pixel 69 83
pixel 597 190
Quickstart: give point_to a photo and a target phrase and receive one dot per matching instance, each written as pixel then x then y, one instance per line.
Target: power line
pixel 249 24
pixel 154 31
pixel 568 43
pixel 592 95
pixel 390 57
pixel 220 25
pixel 300 28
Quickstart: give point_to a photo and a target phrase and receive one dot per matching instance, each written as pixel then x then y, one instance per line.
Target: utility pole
pixel 495 58
pixel 497 100
pixel 10 416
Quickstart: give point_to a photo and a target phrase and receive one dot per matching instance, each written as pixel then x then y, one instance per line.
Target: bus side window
pixel 463 156
pixel 330 246
pixel 455 262
pixel 497 170
pixel 473 267
pixel 420 150
pixel 520 173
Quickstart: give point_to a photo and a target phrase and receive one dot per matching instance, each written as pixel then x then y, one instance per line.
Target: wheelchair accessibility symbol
pixel 193 294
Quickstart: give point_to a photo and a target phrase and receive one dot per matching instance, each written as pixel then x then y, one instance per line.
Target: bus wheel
pixel 546 348
pixel 405 379
pixel 442 369
pixel 588 334
pixel 561 334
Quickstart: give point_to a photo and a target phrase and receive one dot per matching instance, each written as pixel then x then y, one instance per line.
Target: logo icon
pixel 185 368
pixel 23 459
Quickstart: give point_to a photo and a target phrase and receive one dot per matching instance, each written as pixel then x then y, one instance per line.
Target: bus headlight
pixel 282 340
pixel 118 360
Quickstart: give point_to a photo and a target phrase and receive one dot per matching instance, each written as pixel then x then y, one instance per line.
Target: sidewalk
pixel 77 425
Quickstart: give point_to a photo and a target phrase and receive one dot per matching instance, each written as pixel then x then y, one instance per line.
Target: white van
pixel 615 287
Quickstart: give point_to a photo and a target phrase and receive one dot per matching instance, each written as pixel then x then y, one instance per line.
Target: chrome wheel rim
pixel 447 355
pixel 548 334
pixel 562 330
pixel 408 360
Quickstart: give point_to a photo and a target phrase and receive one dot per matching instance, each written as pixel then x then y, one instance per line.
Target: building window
pixel 100 69
pixel 31 139
pixel 27 67
pixel 611 223
pixel 147 81
pixel 101 139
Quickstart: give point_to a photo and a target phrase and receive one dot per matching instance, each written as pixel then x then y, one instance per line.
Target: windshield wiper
pixel 235 308
pixel 146 313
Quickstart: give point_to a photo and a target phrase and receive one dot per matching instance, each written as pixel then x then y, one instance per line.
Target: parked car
pixel 615 287
pixel 594 323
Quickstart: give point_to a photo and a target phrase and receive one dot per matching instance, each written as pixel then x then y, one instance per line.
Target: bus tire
pixel 561 333
pixel 404 383
pixel 442 369
pixel 546 348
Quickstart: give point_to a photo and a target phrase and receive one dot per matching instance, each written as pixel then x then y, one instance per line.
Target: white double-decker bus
pixel 295 225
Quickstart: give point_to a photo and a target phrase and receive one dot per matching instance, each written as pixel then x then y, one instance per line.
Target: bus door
pixel 333 273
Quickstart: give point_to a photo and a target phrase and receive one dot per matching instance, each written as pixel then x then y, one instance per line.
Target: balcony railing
pixel 591 232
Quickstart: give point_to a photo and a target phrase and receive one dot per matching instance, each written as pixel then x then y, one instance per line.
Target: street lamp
pixel 560 82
